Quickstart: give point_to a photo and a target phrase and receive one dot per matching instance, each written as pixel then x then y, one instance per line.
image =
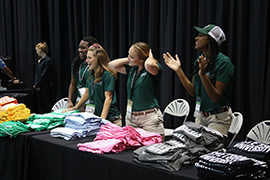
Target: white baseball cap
pixel 214 31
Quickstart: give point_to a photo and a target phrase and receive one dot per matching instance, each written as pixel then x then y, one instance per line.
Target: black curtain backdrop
pixel 167 25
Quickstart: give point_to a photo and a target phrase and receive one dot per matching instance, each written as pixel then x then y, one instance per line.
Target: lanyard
pixel 81 76
pixel 134 79
pixel 200 83
pixel 92 91
pixel 198 99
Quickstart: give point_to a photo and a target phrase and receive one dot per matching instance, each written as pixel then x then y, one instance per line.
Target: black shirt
pixel 43 71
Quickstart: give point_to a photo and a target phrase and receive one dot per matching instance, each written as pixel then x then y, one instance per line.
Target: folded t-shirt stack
pixel 47 121
pixel 13 111
pixel 7 100
pixel 251 149
pixel 12 128
pixel 3 112
pixel 112 138
pixel 170 155
pixel 188 143
pixel 223 166
pixel 78 125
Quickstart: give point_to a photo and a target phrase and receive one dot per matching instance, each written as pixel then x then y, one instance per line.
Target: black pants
pixel 44 98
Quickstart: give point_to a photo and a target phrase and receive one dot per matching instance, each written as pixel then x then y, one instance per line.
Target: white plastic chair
pixel 61 104
pixel 178 108
pixel 260 132
pixel 236 125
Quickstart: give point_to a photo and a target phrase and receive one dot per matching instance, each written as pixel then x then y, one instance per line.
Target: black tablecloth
pixel 50 158
pixel 13 155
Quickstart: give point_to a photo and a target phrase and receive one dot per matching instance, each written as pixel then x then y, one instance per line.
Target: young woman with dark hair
pixel 211 81
pixel 79 69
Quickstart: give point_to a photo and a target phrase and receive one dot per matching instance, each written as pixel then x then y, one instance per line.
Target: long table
pixel 39 156
pixel 13 155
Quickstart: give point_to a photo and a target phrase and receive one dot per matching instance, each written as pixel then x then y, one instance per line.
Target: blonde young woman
pixel 100 87
pixel 43 79
pixel 143 72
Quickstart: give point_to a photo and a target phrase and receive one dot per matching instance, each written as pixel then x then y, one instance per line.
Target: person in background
pixel 43 79
pixel 211 81
pixel 79 71
pixel 100 87
pixel 143 78
pixel 8 72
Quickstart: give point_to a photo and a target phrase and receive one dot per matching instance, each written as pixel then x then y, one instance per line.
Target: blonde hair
pixel 141 49
pixel 43 47
pixel 102 62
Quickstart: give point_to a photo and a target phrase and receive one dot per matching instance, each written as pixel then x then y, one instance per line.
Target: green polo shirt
pixel 97 94
pixel 146 87
pixel 82 75
pixel 224 73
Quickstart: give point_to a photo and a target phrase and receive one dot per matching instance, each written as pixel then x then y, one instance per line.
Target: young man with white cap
pixel 211 81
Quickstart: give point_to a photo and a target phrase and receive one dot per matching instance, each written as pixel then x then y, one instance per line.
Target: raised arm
pixel 175 64
pixel 214 92
pixel 151 64
pixel 118 65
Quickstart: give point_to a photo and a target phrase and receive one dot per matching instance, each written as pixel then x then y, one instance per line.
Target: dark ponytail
pixel 213 50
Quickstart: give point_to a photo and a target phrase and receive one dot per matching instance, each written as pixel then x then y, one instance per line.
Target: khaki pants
pixel 220 122
pixel 151 122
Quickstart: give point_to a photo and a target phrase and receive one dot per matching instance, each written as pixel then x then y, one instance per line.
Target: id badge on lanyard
pixel 130 102
pixel 197 106
pixel 90 108
pixel 198 102
pixel 129 109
